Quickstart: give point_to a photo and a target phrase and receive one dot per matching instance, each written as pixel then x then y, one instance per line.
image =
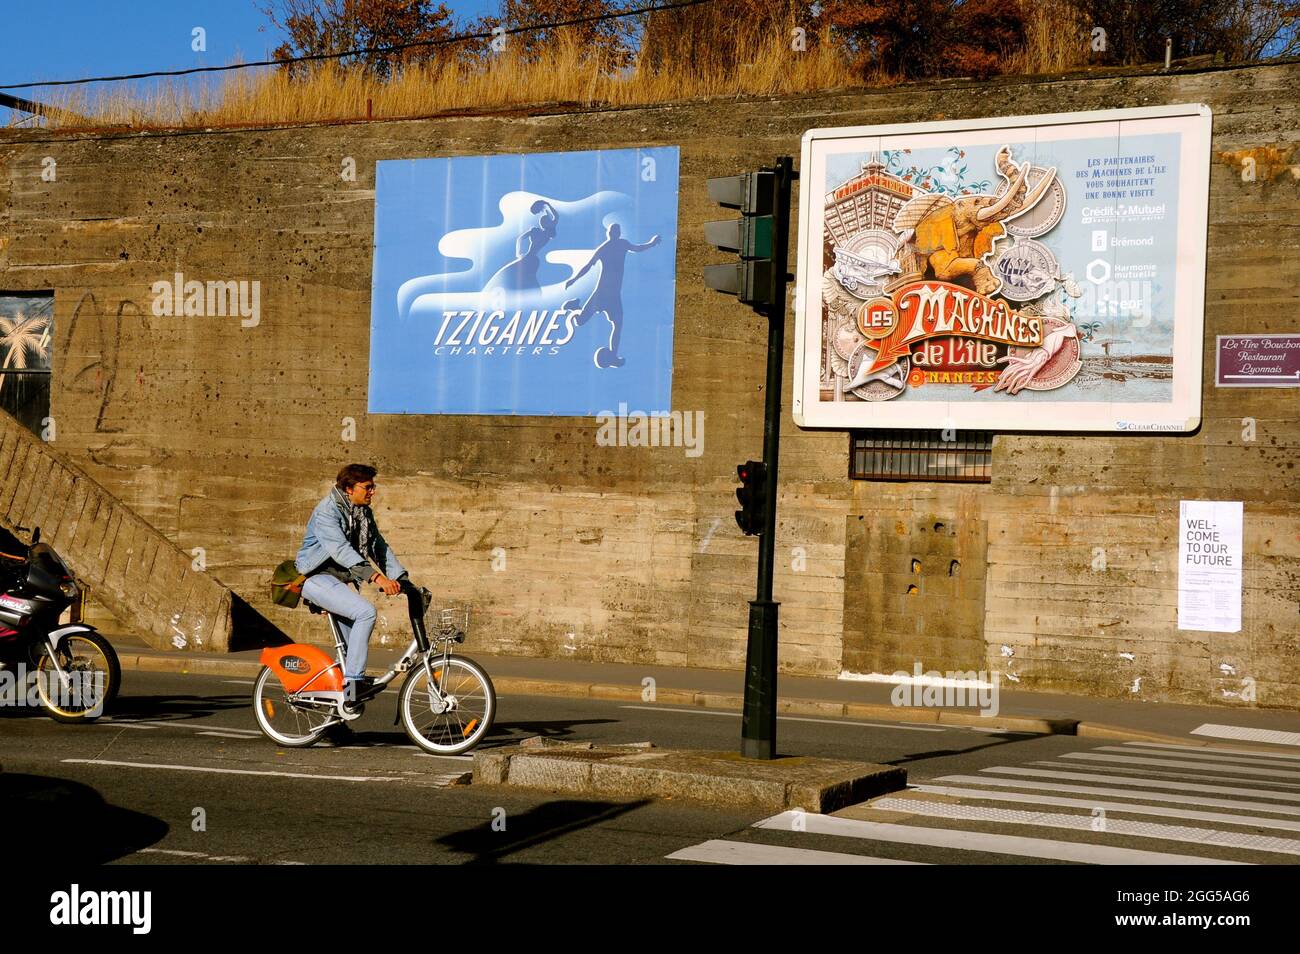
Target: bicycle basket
pixel 449 620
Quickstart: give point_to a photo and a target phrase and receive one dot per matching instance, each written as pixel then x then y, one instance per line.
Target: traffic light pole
pixel 758 727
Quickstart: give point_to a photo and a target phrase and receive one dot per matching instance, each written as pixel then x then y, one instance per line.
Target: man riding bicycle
pixel 343 548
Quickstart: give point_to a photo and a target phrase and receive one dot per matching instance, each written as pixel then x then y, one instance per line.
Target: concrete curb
pixel 524 686
pixel 718 778
pixel 146 662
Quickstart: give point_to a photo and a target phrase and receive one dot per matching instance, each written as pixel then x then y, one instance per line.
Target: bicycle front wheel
pixel 280 719
pixel 457 716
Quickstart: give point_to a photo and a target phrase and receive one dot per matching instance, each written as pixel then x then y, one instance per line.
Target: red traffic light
pixel 752 495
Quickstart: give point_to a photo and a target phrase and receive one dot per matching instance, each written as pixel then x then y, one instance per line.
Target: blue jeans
pixel 356 617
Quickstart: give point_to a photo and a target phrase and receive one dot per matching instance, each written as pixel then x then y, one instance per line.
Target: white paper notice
pixel 1209 565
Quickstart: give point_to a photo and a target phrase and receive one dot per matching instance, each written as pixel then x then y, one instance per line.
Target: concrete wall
pixel 223 437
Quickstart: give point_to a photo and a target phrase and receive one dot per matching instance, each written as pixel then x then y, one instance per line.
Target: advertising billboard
pixel 524 284
pixel 1020 273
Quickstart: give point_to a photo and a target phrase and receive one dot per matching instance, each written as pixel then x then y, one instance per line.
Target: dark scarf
pixel 358 525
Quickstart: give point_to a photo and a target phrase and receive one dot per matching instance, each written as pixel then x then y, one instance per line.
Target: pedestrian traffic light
pixel 753 278
pixel 752 494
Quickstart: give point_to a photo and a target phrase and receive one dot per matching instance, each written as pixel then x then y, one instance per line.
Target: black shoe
pixel 359 690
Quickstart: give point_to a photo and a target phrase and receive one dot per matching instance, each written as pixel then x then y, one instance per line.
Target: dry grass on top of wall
pixel 568 74
pixel 754 63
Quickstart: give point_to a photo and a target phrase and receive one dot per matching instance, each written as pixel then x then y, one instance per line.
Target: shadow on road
pixel 56 821
pixel 174 708
pixel 508 733
pixel 1001 739
pixel 534 827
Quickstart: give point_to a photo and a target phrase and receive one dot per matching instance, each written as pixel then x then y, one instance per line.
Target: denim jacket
pixel 326 539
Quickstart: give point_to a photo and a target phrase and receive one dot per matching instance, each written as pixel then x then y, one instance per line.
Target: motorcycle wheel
pixel 97 675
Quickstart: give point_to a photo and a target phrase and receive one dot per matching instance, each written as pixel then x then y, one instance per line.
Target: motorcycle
pixel 76 668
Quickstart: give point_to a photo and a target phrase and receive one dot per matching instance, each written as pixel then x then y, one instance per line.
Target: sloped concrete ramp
pixel 143 578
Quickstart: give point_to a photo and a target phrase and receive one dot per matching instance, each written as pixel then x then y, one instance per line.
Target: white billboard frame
pixel 1182 414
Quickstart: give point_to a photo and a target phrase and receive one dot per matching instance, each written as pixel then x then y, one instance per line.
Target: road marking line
pixel 1146 782
pixel 1090 803
pixel 1178 798
pixel 141 724
pixel 720 852
pixel 737 715
pixel 981 841
pixel 233 859
pixel 1208 756
pixel 1173 763
pixel 123 725
pixel 227 771
pixel 1247 734
pixel 1113 826
pixel 241 682
pixel 229 735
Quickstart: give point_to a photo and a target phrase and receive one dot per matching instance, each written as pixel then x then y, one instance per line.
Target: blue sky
pixel 69 39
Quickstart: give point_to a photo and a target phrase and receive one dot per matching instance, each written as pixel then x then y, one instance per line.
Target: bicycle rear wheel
pixel 282 721
pixel 466 714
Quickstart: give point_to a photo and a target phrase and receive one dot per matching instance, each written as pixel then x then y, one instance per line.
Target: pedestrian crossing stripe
pixel 1255 821
pixel 1117 800
pixel 1179 763
pixel 1247 734
pixel 1120 771
pixel 1180 799
pixel 993 843
pixel 1108 825
pixel 720 852
pixel 1264 757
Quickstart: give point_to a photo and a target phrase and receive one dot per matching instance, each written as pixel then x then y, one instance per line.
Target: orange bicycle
pixel 446 703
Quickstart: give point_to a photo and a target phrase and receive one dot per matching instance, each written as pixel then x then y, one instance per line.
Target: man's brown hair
pixel 354 474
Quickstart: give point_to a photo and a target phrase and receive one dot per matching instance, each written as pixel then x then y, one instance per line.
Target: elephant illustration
pixel 948 239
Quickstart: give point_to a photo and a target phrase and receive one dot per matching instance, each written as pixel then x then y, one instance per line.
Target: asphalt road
pixel 180 774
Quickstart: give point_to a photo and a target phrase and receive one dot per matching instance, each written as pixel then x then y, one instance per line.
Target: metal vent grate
pixel 922 455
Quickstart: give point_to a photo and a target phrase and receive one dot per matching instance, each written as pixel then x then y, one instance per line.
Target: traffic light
pixel 753 278
pixel 752 494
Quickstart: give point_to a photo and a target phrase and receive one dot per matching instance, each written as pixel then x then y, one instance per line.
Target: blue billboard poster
pixel 524 284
